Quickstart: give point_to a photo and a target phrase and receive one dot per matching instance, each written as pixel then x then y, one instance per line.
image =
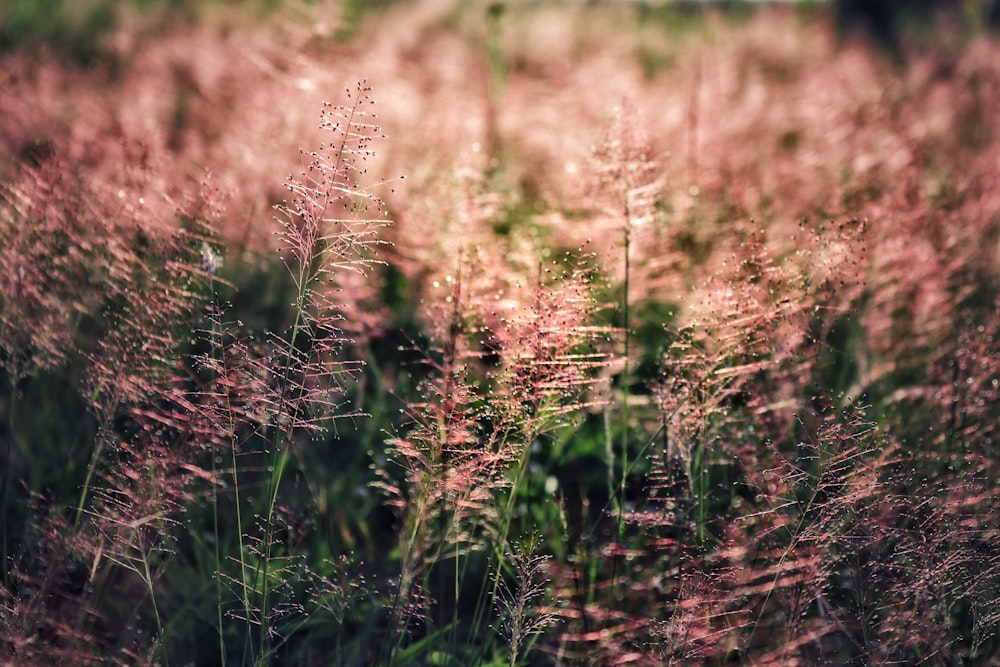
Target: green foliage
pixel 75 27
pixel 354 13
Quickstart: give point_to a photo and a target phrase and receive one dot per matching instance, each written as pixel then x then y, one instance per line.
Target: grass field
pixel 456 333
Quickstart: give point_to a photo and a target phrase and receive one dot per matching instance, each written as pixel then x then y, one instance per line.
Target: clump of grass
pixel 263 396
pixel 520 604
pixel 497 383
pixel 105 295
pixel 166 427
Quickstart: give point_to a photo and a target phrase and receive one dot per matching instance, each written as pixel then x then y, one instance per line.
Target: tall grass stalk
pixel 211 262
pixel 331 226
pixel 629 185
pixel 626 379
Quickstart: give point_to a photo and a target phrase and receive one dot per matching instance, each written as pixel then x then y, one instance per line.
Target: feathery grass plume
pixel 741 364
pixel 266 395
pixel 771 588
pixel 450 463
pixel 627 189
pixel 330 227
pixel 44 618
pixel 814 514
pixel 136 384
pixel 465 450
pixel 837 505
pixel 41 227
pixel 334 591
pixel 628 186
pixel 69 247
pixel 745 327
pixel 628 176
pixel 150 449
pixel 549 350
pixel 554 363
pixel 521 604
pixel 75 242
pixel 783 540
pixel 113 280
pixel 934 566
pixel 36 217
pixel 959 398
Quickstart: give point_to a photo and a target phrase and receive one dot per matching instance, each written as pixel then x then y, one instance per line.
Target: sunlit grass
pixel 675 345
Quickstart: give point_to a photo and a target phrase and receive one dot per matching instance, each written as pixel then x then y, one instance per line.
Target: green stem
pixel 703 503
pixel 279 461
pixel 94 461
pixel 217 335
pixel 491 585
pixel 218 561
pixel 625 385
pixel 620 504
pixel 309 272
pixel 148 577
pixel 244 581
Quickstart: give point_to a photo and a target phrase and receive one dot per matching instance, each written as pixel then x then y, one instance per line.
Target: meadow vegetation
pixel 445 333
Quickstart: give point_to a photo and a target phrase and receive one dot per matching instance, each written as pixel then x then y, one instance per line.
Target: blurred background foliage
pixel 78 28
